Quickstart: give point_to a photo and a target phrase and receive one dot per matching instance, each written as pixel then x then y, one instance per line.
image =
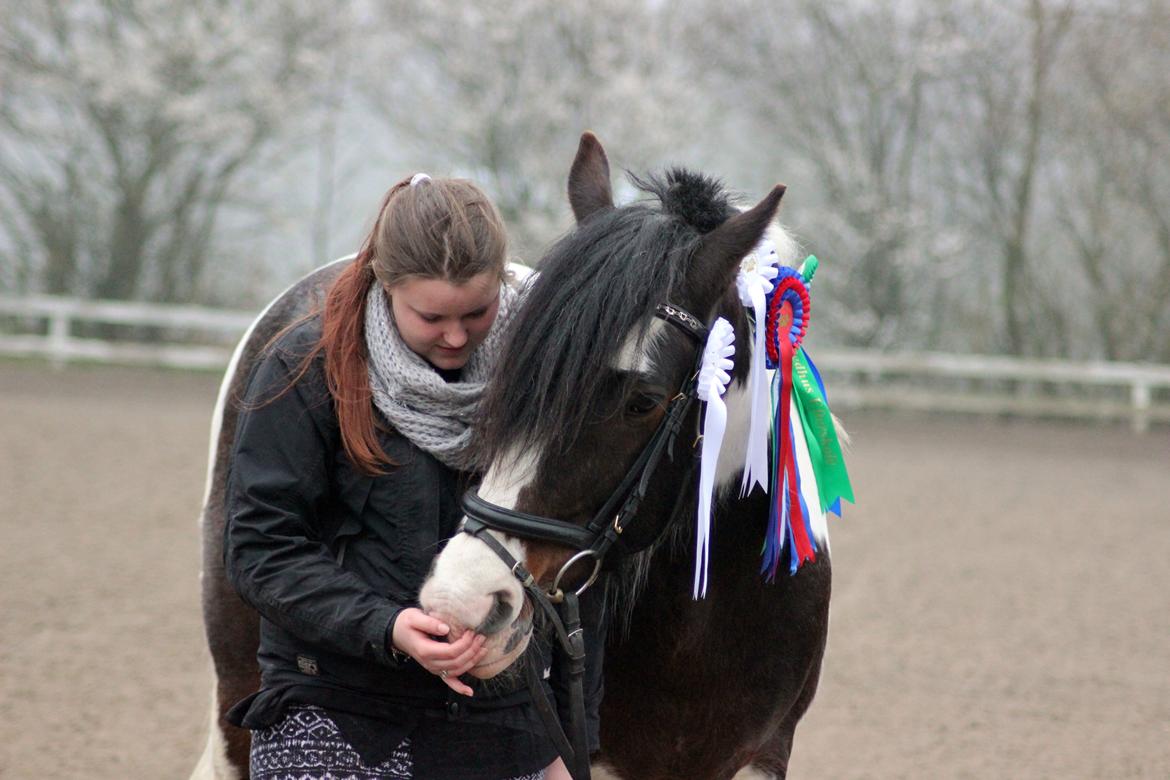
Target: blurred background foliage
pixel 977 175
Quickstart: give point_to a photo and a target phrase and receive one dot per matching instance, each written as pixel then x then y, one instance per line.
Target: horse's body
pixel 693 688
pixel 233 628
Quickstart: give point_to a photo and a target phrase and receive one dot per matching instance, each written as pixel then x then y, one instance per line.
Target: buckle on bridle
pixel 527 580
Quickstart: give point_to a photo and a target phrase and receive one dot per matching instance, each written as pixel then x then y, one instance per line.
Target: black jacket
pixel 330 556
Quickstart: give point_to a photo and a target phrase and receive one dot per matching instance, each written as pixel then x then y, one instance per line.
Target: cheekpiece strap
pixel 683 320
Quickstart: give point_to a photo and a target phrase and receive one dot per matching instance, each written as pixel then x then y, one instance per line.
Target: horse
pixel 695 688
pixel 709 688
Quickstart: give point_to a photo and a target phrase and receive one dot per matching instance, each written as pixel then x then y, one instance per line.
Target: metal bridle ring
pixel 569 564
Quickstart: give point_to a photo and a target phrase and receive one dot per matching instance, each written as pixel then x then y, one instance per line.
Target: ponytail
pixel 343 338
pixel 344 341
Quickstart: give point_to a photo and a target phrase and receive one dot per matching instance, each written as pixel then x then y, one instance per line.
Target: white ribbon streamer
pixel 754 281
pixel 714 374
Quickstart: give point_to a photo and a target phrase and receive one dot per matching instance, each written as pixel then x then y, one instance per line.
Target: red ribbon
pixel 786 452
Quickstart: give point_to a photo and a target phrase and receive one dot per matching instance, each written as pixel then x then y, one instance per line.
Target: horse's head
pixel 586 379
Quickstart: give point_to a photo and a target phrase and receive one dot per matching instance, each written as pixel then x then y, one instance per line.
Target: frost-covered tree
pixel 501 90
pixel 998 136
pixel 833 99
pixel 1111 191
pixel 981 175
pixel 126 128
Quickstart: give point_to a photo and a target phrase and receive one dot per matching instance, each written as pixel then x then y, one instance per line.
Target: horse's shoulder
pixel 299 338
pixel 291 321
pixel 286 355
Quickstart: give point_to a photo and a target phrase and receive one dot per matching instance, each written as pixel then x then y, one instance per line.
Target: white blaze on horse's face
pixel 631 358
pixel 470 587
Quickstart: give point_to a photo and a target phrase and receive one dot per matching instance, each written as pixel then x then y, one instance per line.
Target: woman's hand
pixel 414 633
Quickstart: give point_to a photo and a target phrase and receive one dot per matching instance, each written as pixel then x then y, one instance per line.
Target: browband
pixel 683 320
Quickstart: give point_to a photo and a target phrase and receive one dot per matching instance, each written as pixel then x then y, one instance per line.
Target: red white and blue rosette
pixel 789 522
pixel 788 312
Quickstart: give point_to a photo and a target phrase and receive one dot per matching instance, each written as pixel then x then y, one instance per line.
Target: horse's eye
pixel 641 404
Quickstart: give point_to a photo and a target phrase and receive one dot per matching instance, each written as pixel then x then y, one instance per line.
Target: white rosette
pixel 714 374
pixel 753 282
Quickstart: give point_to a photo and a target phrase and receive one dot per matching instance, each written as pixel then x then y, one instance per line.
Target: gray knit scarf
pixel 435 415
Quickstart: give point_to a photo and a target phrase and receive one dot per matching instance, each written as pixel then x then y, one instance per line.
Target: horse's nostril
pixel 498 616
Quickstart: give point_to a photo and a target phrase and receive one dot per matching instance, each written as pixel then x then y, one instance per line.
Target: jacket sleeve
pixel 275 553
pixel 594 624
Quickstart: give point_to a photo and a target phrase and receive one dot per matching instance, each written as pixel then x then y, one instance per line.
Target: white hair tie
pixel 418 178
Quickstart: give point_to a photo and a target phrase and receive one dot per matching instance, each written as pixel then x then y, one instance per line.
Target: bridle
pixel 593 540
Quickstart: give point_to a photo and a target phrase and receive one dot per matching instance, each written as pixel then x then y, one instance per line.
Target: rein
pixel 593 540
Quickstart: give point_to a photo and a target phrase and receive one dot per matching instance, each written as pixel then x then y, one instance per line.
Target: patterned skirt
pixel 307 745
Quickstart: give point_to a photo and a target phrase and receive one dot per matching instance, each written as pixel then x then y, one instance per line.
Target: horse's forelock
pixel 698 200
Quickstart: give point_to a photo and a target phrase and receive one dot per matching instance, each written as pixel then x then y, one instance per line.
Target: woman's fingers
pixel 416 632
pixel 422 636
pixel 423 622
pixel 462 665
pixel 457 685
pixel 445 652
pixel 469 662
pixel 462 662
pixel 413 632
pixel 440 655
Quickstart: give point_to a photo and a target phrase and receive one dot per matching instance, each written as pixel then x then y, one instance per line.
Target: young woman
pixel 348 465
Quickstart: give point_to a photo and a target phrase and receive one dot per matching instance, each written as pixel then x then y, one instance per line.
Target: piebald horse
pixel 694 688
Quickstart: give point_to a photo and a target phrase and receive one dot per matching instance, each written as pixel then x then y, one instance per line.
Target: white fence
pixel 210 332
pixel 858 378
pixel 1139 392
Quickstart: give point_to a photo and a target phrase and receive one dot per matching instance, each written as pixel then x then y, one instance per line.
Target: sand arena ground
pixel 1001 601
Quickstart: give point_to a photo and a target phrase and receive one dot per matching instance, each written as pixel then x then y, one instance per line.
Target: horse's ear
pixel 720 252
pixel 589 190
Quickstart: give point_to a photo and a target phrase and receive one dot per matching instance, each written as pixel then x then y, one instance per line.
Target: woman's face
pixel 442 321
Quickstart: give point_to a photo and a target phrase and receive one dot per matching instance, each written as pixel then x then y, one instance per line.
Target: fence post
pixel 58 338
pixel 1140 393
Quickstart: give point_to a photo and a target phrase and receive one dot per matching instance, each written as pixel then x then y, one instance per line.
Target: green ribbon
pixel 808 269
pixel 828 463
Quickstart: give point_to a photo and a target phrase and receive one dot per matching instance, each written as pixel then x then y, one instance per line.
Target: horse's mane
pixel 598 284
